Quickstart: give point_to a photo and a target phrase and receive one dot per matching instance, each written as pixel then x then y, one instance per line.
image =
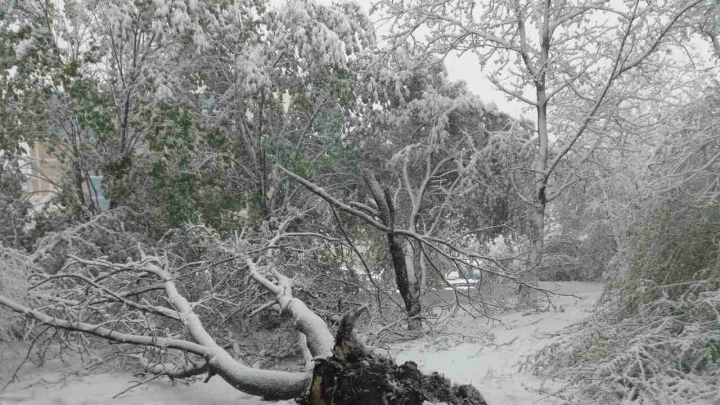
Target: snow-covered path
pixel 492 368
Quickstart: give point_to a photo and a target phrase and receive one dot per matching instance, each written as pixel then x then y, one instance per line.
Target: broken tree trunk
pixel 355 376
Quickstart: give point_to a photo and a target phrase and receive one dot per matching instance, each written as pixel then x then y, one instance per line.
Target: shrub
pixel 677 245
pixel 658 339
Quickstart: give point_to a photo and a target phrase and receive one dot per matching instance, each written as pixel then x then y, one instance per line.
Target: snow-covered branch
pixel 117 327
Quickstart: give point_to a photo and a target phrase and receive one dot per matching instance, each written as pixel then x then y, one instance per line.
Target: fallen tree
pixel 143 306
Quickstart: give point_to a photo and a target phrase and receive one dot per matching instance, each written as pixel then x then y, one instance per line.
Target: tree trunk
pixel 78 179
pixel 407 283
pixel 526 294
pixel 409 287
pixel 423 274
pixel 405 275
pixel 530 276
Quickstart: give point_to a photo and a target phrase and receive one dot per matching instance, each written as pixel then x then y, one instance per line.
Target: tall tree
pixel 280 87
pixel 566 60
pixel 82 77
pixel 427 149
pixel 180 106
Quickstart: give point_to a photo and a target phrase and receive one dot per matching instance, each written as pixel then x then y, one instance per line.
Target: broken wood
pixel 354 376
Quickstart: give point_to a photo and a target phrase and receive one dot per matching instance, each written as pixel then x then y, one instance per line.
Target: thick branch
pixel 268 384
pixel 175 370
pixel 384 204
pixel 320 192
pixel 307 322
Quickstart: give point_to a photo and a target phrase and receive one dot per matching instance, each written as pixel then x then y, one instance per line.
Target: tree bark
pixel 530 276
pixel 405 276
pixel 407 286
pixel 527 295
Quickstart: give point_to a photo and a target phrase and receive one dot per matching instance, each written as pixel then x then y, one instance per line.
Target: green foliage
pixel 181 192
pixel 599 349
pixel 705 358
pixel 14 270
pixel 14 207
pixel 677 243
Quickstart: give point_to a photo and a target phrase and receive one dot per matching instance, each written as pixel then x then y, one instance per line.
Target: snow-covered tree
pixel 569 61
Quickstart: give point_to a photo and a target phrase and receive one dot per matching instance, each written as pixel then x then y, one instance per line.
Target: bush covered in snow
pixel 657 341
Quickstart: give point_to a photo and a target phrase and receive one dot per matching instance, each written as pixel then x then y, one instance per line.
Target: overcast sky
pixel 467 68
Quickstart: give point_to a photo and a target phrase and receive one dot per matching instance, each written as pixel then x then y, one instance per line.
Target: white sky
pixel 467 68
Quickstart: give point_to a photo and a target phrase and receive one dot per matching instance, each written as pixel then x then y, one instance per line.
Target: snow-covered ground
pixel 491 367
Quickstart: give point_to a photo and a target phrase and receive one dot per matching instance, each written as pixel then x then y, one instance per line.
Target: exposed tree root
pixel 380 381
pixel 353 376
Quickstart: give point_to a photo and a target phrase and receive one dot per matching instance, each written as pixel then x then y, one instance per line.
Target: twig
pixel 27 357
pixel 138 384
pixel 362 260
pixel 549 394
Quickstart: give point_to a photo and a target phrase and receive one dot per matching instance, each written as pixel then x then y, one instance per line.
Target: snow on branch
pixel 445 248
pixel 95 300
pixel 318 337
pixel 104 332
